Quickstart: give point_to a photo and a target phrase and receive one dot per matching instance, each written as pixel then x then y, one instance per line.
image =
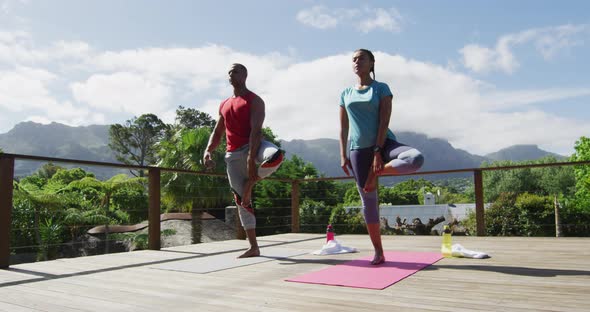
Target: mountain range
pixel 91 143
pixel 439 154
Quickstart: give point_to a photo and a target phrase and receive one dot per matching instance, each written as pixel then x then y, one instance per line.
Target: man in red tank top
pixel 241 117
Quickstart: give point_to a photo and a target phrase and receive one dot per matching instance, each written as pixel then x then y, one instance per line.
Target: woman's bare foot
pixel 252 252
pixel 378 259
pixel 371 183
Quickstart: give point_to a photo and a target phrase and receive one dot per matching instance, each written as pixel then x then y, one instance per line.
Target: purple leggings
pixel 403 158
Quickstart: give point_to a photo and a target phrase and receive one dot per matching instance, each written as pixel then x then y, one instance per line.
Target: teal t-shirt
pixel 362 107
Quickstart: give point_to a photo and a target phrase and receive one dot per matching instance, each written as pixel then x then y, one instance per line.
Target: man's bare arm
pixel 214 141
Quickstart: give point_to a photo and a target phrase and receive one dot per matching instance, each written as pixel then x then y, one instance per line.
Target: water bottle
pixel 329 233
pixel 446 248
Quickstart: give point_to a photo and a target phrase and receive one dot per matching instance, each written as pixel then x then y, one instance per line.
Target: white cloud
pixel 510 99
pixel 548 41
pixel 7 6
pixel 302 103
pixel 388 20
pixel 69 114
pixel 26 91
pixel 203 66
pixel 18 47
pixel 317 17
pixel 560 38
pixel 25 88
pixel 13 36
pixel 71 50
pixel 301 96
pixel 123 92
pixel 365 19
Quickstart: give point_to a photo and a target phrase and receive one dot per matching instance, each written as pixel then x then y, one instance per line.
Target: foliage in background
pixel 582 173
pixel 134 142
pixel 523 200
pixel 540 181
pixel 181 192
pixel 348 220
pixel 58 205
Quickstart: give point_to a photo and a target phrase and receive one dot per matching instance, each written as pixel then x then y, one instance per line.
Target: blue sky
pixel 482 74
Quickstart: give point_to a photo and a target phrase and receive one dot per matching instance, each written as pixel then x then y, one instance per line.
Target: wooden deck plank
pixel 520 276
pixel 7 307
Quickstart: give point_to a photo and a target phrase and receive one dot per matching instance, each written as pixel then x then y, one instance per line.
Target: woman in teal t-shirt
pixel 365 110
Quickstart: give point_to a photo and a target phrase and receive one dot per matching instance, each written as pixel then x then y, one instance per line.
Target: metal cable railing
pixel 282 218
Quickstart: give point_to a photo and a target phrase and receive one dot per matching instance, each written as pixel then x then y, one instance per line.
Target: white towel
pixel 334 247
pixel 460 251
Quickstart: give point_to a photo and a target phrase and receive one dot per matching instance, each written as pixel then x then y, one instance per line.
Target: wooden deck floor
pixel 524 274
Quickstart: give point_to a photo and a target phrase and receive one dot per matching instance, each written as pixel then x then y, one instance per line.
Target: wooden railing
pixel 7 176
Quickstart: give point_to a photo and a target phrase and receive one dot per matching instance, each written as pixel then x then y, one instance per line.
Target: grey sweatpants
pixel 237 173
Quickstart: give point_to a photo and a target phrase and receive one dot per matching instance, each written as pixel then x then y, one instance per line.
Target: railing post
pixel 6 189
pixel 558 232
pixel 479 208
pixel 295 206
pixel 154 209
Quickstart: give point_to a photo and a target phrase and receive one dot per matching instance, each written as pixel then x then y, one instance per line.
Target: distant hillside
pixel 520 153
pixel 439 154
pixel 324 154
pixel 58 140
pixel 91 143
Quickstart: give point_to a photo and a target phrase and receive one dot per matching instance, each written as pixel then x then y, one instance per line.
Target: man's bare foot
pixel 378 259
pixel 371 183
pixel 252 252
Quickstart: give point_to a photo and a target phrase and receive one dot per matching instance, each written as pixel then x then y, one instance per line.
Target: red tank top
pixel 236 114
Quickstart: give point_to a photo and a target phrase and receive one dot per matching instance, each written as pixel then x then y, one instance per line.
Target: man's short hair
pixel 241 66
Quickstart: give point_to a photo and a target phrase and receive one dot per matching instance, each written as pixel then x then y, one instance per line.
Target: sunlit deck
pixel 524 274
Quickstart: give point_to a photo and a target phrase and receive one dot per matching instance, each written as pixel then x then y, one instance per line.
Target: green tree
pixel 582 173
pixel 523 199
pixel 107 189
pixel 314 216
pixel 412 185
pixel 191 118
pixel 32 205
pixel 50 232
pixel 502 217
pixel 395 196
pixel 517 215
pixel 272 199
pixel 134 143
pixel 351 195
pixel 268 135
pixel 63 177
pixel 348 220
pixel 536 214
pixel 540 181
pixel 48 170
pixel 188 192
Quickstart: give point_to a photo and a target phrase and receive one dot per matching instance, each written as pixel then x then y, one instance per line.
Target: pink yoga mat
pixel 361 274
